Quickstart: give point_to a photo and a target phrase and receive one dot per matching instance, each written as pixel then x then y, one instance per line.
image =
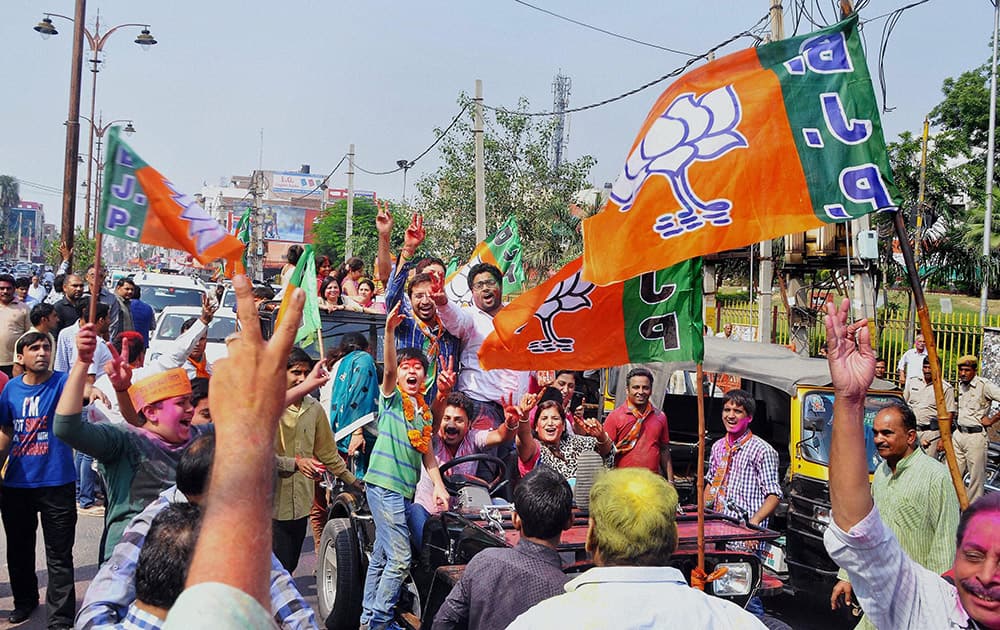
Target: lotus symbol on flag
pixel 690 129
pixel 570 295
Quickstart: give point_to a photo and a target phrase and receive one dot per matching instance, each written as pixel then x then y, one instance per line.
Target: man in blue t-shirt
pixel 40 482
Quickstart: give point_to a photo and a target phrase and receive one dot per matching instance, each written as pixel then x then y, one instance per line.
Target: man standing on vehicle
pixel 914 496
pixel 912 361
pixel 893 589
pixel 639 430
pixel 632 534
pixel 919 395
pixel 501 583
pixel 421 326
pixel 975 396
pixel 15 319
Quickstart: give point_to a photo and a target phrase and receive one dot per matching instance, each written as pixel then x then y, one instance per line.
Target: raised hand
pixel 86 344
pixel 318 376
pixel 393 319
pixel 208 309
pixel 383 219
pixel 512 414
pixel 527 402
pixel 446 376
pixel 414 235
pixel 437 288
pixel 848 351
pixel 65 250
pixel 118 369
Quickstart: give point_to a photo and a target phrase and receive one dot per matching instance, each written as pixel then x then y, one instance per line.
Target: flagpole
pixel 701 470
pixel 95 290
pixel 944 416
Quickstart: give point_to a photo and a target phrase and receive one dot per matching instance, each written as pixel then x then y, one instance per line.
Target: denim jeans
pixel 416 517
pixel 86 480
pixel 390 559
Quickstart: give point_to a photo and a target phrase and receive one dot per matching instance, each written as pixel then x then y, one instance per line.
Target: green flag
pixel 304 276
pixel 243 232
pixel 502 250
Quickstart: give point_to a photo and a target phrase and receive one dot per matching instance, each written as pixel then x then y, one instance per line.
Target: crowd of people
pixel 207 497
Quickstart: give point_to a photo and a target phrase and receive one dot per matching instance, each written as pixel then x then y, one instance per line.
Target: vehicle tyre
pixel 339 582
pixel 774 624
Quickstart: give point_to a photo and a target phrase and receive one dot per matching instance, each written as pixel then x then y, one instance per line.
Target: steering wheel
pixel 455 482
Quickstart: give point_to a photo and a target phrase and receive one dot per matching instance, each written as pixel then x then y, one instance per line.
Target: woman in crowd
pixel 292 259
pixel 551 444
pixel 324 267
pixel 331 299
pixel 349 274
pixel 366 297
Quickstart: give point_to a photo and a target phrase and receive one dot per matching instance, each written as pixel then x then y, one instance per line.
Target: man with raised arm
pixel 893 589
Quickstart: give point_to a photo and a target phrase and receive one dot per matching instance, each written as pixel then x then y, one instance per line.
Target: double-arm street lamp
pixel 95 41
pixel 99 129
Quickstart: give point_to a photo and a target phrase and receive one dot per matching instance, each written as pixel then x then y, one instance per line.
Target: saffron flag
pixel 655 316
pixel 304 277
pixel 141 205
pixel 763 142
pixel 503 250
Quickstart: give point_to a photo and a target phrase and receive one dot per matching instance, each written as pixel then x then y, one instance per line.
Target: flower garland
pixel 420 440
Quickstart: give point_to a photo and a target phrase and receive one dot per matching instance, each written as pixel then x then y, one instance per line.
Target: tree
pixel 331 226
pixel 10 197
pixel 83 251
pixel 519 181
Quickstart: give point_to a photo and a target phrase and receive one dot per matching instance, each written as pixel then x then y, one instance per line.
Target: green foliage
pixel 331 226
pixel 83 251
pixel 10 197
pixel 519 182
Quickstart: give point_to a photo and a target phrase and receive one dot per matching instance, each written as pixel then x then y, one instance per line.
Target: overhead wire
pixel 410 163
pixel 319 185
pixel 673 73
pixel 605 31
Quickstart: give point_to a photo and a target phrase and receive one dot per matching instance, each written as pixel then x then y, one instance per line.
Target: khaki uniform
pixel 970 439
pixel 919 395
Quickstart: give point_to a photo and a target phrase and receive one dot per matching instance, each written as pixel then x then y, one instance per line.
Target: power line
pixel 673 73
pixel 601 30
pixel 319 185
pixel 410 163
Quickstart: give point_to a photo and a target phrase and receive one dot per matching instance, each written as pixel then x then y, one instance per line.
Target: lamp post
pixel 98 129
pixel 95 41
pixel 406 165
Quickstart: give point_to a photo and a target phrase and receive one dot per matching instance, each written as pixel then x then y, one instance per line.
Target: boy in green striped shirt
pixel 403 444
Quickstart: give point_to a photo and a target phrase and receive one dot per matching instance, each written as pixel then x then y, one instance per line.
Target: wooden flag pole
pixel 944 416
pixel 701 469
pixel 95 289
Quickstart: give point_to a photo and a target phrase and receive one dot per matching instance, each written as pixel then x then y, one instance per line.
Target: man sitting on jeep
pixel 453 438
pixel 632 534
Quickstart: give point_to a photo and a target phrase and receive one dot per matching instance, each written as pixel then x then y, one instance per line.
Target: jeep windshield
pixel 817 426
pixel 160 297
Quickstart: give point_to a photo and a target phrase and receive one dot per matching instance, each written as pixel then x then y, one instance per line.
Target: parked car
pixel 168 328
pixel 161 290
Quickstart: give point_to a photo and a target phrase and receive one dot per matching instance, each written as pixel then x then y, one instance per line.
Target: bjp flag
pixel 503 251
pixel 141 205
pixel 655 316
pixel 763 142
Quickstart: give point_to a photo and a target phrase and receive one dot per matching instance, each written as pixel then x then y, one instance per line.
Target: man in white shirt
pixel 36 291
pixel 486 388
pixel 911 364
pixel 633 533
pixel 893 589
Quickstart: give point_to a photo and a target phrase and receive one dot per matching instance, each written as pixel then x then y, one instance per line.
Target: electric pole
pixel 255 261
pixel 349 230
pixel 480 172
pixel 766 278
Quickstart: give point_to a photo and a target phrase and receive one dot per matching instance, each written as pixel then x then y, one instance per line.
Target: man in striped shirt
pixel 913 493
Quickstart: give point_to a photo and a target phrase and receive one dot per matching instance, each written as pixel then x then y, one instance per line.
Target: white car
pixel 161 290
pixel 168 328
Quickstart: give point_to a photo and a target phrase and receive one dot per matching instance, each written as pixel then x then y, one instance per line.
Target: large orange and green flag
pixel 503 250
pixel 655 316
pixel 763 142
pixel 304 276
pixel 141 205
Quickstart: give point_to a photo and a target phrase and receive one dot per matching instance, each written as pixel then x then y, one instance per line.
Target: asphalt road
pixel 797 612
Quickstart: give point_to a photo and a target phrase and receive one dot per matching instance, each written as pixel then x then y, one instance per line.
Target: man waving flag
pixel 141 205
pixel 763 142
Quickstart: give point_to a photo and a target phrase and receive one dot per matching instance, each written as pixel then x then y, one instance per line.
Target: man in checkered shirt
pixel 743 470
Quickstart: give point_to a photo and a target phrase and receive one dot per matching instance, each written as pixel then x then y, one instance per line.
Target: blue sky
pixel 317 76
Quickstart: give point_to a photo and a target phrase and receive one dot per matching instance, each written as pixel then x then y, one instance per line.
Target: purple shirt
pixel 474 442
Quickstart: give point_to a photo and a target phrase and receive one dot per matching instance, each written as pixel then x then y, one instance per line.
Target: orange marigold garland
pixel 420 440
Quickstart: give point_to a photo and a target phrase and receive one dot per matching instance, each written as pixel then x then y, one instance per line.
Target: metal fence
pixel 955 334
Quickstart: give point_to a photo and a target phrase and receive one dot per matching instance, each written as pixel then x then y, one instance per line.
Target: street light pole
pixel 95 41
pixel 98 129
pixel 73 129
